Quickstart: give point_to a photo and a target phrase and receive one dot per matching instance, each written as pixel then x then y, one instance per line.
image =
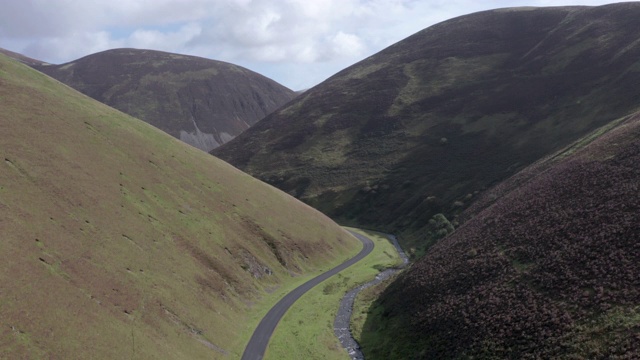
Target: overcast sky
pixel 298 43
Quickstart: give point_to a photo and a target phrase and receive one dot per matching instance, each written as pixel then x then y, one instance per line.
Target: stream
pixel 343 317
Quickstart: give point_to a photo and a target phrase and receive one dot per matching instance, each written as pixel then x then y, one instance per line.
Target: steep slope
pixel 119 241
pixel 550 270
pixel 426 125
pixel 203 102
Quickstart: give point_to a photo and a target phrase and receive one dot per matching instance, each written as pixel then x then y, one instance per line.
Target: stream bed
pixel 343 318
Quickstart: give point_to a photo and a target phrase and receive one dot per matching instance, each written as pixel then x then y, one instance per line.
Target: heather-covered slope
pixel 119 241
pixel 203 102
pixel 426 125
pixel 550 270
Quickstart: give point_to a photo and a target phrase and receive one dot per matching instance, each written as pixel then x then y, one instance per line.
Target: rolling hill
pixel 202 102
pixel 119 241
pixel 408 138
pixel 549 270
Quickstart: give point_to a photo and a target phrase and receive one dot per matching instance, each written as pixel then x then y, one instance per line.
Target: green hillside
pixel 407 139
pixel 118 241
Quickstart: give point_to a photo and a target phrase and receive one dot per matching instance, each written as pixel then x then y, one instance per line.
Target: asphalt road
pixel 260 339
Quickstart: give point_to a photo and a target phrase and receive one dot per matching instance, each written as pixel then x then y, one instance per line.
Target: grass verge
pixel 363 310
pixel 306 331
pixel 262 308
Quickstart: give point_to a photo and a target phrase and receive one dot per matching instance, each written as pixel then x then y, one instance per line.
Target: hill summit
pixel 203 102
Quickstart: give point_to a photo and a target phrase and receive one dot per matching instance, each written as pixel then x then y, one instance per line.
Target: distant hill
pixel 550 270
pixel 23 59
pixel 407 139
pixel 120 242
pixel 202 102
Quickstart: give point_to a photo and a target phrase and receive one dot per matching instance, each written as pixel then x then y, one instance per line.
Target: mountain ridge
pixel 406 139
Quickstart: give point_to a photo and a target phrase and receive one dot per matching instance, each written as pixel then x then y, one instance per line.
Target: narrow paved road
pixel 260 339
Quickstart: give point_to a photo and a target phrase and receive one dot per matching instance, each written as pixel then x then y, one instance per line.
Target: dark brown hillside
pixel 550 270
pixel 200 101
pixel 425 126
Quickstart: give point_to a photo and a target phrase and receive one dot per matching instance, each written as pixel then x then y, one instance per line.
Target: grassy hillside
pixel 119 241
pixel 203 102
pixel 407 139
pixel 550 269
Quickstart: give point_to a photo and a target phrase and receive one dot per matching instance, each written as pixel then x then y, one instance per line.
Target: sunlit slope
pixel 119 241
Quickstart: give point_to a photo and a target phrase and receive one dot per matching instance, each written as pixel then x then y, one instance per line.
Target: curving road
pixel 260 339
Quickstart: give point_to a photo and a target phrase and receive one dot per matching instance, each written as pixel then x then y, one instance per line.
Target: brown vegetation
pixel 551 269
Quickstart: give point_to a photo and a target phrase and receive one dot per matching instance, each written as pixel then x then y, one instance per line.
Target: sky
pixel 298 43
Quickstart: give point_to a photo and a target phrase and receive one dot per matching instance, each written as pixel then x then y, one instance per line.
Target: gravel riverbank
pixel 343 317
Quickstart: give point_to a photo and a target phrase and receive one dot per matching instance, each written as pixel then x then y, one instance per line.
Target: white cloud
pixel 159 40
pixel 70 46
pixel 347 45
